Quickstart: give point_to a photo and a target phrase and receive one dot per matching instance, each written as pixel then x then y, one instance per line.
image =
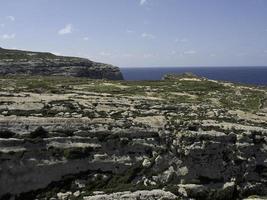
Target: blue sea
pixel 248 75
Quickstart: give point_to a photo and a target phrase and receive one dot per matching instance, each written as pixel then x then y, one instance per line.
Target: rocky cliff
pixel 16 62
pixel 179 138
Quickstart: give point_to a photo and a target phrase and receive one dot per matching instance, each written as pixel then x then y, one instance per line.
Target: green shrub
pixel 77 153
pixel 6 134
pixel 40 132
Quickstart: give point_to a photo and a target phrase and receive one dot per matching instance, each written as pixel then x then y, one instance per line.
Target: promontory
pixel 18 62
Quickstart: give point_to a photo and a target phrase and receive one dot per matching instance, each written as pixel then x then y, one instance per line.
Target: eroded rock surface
pixel 16 62
pixel 74 138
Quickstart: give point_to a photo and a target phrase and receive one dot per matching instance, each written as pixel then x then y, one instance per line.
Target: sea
pixel 247 75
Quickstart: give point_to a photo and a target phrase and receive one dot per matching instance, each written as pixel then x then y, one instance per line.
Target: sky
pixel 140 33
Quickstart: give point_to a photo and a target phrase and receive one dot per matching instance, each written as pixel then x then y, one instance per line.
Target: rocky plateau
pixel 180 138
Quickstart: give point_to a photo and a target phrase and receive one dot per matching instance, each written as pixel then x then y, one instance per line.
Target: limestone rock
pixel 141 195
pixel 16 62
pixel 99 139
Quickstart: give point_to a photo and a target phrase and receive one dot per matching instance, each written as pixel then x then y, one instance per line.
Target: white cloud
pixel 241 54
pixel 8 36
pixel 2 25
pixel 66 30
pixel 146 22
pixel 189 52
pixel 173 53
pixel 143 2
pixel 148 36
pixel 11 18
pixel 129 31
pixel 106 54
pixel 86 38
pixel 148 55
pixel 181 40
pixel 127 55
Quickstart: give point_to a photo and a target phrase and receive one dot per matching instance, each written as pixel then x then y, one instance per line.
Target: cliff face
pixel 174 139
pixel 16 62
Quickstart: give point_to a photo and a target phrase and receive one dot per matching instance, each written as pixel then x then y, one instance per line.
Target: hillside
pixel 183 137
pixel 17 62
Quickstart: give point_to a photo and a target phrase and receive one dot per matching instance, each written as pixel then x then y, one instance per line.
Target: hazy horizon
pixel 141 33
pixel 188 66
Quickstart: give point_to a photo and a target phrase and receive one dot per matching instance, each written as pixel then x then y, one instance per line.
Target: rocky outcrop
pixel 141 195
pixel 186 75
pixel 16 62
pixel 132 140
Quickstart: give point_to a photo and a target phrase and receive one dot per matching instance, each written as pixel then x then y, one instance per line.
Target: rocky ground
pixel 184 137
pixel 17 62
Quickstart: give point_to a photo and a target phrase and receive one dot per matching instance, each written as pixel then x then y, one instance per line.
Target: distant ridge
pixel 19 62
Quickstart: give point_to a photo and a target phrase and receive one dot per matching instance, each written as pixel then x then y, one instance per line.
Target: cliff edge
pixel 18 62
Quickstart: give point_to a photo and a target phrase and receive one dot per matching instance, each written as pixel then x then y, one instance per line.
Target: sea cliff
pixel 17 62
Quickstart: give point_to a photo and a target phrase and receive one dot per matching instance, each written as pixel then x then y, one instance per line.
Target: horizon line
pixel 200 66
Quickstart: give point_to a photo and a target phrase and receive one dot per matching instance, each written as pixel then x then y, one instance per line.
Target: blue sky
pixel 138 33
